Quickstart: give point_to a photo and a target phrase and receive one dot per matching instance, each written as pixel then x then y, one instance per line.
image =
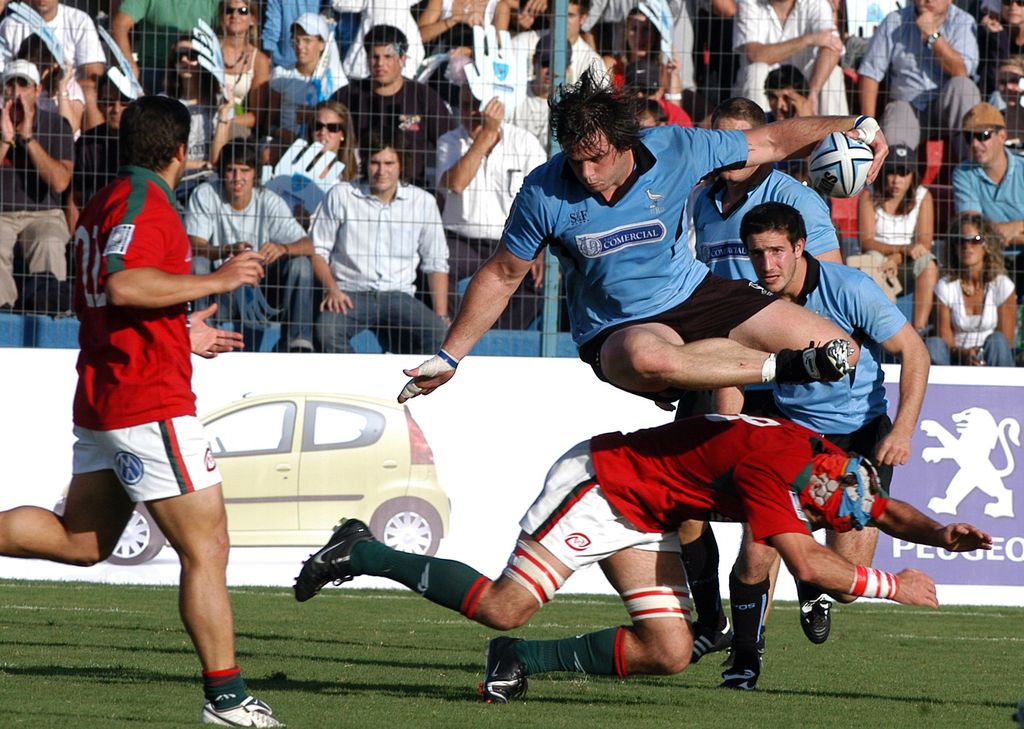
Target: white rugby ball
pixel 839 165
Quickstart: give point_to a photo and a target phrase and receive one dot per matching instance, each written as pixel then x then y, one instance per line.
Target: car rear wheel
pixel 408 524
pixel 140 541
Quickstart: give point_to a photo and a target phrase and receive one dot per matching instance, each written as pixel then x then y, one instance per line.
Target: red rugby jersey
pixel 710 467
pixel 134 366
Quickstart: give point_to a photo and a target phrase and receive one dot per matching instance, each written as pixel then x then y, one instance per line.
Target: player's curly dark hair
pixel 773 216
pixel 152 129
pixel 589 106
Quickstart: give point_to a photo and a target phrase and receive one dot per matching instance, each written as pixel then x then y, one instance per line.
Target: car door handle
pixel 282 468
pixel 390 464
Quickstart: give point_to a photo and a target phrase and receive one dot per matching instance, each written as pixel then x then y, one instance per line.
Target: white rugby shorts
pixel 152 461
pixel 574 521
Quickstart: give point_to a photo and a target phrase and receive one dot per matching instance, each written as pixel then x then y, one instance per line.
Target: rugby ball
pixel 839 165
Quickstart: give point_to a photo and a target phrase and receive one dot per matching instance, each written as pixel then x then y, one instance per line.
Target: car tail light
pixel 421 453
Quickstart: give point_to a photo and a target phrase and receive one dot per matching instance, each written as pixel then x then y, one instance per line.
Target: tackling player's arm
pixel 151 288
pixel 809 561
pixel 915 362
pixel 904 521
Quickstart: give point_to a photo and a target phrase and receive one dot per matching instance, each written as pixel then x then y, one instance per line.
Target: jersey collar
pixel 811 279
pixel 147 174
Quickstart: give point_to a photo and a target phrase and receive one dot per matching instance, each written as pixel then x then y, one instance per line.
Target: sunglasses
pixel 189 55
pixel 973 240
pixel 243 10
pixel 1018 3
pixel 19 81
pixel 979 136
pixel 332 127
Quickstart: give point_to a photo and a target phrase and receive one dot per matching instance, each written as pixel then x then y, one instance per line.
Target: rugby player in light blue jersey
pixel 853 414
pixel 719 206
pixel 716 209
pixel 645 314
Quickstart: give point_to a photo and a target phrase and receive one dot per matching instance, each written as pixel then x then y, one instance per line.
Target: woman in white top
pixel 246 67
pixel 898 225
pixel 976 301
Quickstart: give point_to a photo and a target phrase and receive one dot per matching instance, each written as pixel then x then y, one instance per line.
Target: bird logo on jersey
pixel 655 198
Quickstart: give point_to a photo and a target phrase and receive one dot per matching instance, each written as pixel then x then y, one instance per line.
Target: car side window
pixel 264 428
pixel 332 425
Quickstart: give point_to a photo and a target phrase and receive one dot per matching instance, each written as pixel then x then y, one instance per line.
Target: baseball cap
pixel 314 24
pixel 900 160
pixel 21 69
pixel 545 52
pixel 983 116
pixel 643 75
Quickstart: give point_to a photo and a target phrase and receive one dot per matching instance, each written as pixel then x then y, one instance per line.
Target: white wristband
pixel 867 127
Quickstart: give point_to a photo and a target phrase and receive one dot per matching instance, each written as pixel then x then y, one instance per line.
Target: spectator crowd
pixel 371 150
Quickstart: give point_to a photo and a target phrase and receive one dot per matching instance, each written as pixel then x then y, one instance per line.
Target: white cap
pixel 21 69
pixel 314 24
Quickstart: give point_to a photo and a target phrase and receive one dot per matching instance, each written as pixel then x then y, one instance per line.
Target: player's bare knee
pixel 505 617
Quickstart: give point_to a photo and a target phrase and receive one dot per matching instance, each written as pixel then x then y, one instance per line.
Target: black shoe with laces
pixel 828 363
pixel 816 619
pixel 331 562
pixel 709 640
pixel 742 675
pixel 504 674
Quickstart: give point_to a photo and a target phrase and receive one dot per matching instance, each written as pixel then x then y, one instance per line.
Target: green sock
pixel 597 653
pixel 224 689
pixel 448 583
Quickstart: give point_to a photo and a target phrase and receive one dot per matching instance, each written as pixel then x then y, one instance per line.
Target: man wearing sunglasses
pixel 36 154
pixel 929 52
pixel 991 182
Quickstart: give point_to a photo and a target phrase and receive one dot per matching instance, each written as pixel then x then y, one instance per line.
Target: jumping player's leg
pixel 95 512
pixel 651 357
pixel 785 325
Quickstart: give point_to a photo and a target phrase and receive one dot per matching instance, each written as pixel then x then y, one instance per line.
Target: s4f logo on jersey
pixel 119 239
pixel 577 541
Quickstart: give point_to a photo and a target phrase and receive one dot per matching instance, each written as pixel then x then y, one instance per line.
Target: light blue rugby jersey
pixel 718 239
pixel 856 304
pixel 629 260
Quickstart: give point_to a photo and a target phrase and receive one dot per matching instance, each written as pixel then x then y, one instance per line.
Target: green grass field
pixel 87 655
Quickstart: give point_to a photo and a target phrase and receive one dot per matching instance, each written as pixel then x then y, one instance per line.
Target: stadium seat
pixel 844 216
pixel 12 330
pixel 934 149
pixel 38 330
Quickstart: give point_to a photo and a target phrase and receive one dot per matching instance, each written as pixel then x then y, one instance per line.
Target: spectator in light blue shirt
pixel 991 183
pixel 929 52
pixel 276 38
